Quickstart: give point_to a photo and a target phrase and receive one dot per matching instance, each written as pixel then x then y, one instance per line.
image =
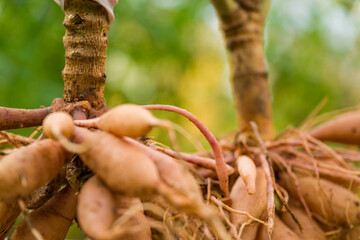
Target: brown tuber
pixel 280 232
pixel 254 204
pixel 96 213
pixel 129 170
pixel 30 167
pixel 9 211
pixel 125 170
pixel 310 229
pixel 60 126
pixel 344 128
pixel 185 196
pixel 58 123
pixel 125 120
pixel 247 171
pixel 52 220
pixel 329 200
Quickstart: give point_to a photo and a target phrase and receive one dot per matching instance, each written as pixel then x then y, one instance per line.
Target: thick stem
pixel 243 29
pixel 85 43
pixel 12 118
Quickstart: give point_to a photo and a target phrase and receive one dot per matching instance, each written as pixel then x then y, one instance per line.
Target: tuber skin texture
pixel 30 167
pixel 310 229
pixel 41 195
pixel 352 234
pixel 184 192
pixel 124 163
pixel 58 123
pixel 280 232
pixel 9 211
pixel 343 129
pixel 173 172
pixel 250 231
pixel 96 213
pixel 52 220
pixel 139 223
pixel 332 202
pixel 242 201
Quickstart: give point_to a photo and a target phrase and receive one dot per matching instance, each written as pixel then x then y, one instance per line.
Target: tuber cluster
pixel 96 167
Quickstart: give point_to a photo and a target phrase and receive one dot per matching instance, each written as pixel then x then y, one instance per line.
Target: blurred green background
pixel 172 52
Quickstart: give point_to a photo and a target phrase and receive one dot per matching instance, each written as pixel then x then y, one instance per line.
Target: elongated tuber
pixel 310 229
pixel 329 200
pixel 119 164
pixel 254 204
pixel 125 120
pixel 30 167
pixel 344 129
pixel 181 189
pixel 97 213
pixel 129 170
pixel 172 171
pixel 52 220
pixel 9 211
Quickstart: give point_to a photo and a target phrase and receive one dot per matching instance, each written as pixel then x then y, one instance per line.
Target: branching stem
pixel 12 118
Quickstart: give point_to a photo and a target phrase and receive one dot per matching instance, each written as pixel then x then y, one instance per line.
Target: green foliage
pixel 312 50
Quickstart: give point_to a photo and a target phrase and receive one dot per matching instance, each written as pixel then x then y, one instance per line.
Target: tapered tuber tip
pixel 247 171
pixel 127 120
pixel 58 123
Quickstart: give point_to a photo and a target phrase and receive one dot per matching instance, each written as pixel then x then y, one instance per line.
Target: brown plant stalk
pixel 242 25
pixel 13 118
pixel 85 43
